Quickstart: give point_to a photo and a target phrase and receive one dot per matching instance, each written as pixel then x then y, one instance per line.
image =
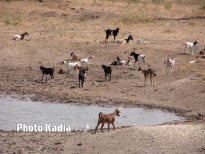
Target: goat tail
pixel 100 114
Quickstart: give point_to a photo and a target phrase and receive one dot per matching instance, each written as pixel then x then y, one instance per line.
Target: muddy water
pixel 13 112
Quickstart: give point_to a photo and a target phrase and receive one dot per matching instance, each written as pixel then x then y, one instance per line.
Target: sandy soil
pixel 57 28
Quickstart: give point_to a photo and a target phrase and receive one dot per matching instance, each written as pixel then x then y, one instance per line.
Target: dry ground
pixel 58 27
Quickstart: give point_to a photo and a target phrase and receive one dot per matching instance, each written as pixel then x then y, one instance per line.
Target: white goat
pixel 121 41
pixel 128 62
pixel 170 63
pixel 86 60
pixel 125 41
pixel 20 36
pixel 70 66
pixel 190 45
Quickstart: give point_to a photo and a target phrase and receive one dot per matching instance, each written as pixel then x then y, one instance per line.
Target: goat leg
pixel 145 81
pixel 192 51
pixel 85 78
pixel 134 64
pixel 42 77
pixel 46 78
pixel 108 126
pixel 153 81
pixel 97 127
pixel 109 77
pixel 113 126
pixel 151 78
pixel 114 38
pixel 82 83
pixel 102 127
pixel 105 40
pixel 185 49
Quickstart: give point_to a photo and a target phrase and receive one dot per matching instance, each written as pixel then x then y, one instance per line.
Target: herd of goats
pixel 77 63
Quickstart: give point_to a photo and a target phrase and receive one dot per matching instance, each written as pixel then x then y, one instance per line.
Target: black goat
pixel 47 71
pixel 107 71
pixel 116 62
pixel 110 32
pixel 82 74
pixel 23 35
pixel 128 39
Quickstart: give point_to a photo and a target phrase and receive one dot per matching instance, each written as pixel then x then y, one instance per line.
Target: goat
pixel 140 58
pixel 70 66
pixel 140 41
pixel 116 62
pixel 128 62
pixel 125 41
pixel 86 60
pixel 107 71
pixel 190 45
pixel 128 39
pixel 107 118
pixel 170 63
pixel 74 57
pixel 147 72
pixel 110 32
pixel 82 74
pixel 47 71
pixel 20 36
pixel 202 53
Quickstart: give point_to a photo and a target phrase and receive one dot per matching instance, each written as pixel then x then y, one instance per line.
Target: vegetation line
pixel 184 18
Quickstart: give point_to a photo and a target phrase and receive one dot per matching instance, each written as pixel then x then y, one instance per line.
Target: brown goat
pixel 107 118
pixel 74 57
pixel 148 72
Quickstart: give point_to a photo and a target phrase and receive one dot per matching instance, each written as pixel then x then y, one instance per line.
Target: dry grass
pixel 132 18
pixel 168 5
pixel 144 13
pixel 12 19
pixel 203 6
